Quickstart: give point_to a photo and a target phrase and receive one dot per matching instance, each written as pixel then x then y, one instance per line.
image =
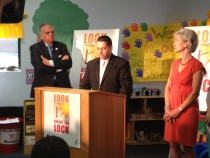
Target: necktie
pixel 50 50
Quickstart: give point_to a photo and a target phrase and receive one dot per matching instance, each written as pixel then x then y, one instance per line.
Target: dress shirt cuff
pixel 59 70
pixel 51 63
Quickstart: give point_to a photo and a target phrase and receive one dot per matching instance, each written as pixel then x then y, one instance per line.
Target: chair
pixel 201 150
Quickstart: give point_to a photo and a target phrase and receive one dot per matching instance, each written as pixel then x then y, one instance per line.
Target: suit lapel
pixel 98 71
pixel 55 49
pixel 45 50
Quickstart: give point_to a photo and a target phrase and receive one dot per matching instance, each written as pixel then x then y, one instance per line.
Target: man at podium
pixel 108 72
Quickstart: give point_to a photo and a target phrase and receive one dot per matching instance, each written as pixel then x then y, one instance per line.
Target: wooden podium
pixel 102 122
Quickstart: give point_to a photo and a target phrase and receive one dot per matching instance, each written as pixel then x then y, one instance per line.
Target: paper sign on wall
pixel 202 53
pixel 84 50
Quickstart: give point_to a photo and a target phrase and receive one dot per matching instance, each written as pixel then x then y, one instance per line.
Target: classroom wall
pixel 107 14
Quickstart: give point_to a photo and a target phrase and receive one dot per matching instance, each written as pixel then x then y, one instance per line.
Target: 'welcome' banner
pixel 149 49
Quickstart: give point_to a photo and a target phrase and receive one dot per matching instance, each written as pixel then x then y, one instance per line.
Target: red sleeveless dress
pixel 184 131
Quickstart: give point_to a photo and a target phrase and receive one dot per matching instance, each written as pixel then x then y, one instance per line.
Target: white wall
pixel 107 14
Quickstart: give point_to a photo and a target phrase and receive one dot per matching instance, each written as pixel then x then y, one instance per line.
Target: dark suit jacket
pixel 116 79
pixel 44 75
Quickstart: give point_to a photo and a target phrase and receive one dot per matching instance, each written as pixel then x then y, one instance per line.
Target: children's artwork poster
pixel 84 49
pixel 202 53
pixel 149 49
pixel 62 116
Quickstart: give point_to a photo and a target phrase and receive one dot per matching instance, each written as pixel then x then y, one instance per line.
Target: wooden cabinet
pixel 145 123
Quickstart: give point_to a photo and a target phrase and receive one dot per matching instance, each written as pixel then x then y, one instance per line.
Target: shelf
pixel 29 123
pixel 147 119
pixel 146 96
pixel 145 115
pixel 29 126
pixel 135 142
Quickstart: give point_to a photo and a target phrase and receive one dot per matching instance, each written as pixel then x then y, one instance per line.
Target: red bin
pixel 10 129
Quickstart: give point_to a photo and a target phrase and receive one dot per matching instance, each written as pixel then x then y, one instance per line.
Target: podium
pixel 102 122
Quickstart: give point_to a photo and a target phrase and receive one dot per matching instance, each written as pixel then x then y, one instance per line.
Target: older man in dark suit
pixel 51 61
pixel 108 72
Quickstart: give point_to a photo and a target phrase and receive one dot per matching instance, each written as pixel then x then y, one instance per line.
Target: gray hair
pixel 190 36
pixel 43 25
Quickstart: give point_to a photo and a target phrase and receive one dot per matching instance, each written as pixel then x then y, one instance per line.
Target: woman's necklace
pixel 185 63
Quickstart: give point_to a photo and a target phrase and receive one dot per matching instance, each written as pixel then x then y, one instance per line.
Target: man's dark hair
pixel 106 39
pixel 50 147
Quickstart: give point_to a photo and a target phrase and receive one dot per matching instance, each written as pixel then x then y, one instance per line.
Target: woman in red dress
pixel 181 96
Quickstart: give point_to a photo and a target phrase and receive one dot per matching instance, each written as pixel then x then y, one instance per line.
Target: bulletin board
pixel 149 49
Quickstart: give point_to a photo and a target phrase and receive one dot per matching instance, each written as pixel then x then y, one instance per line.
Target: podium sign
pixel 62 116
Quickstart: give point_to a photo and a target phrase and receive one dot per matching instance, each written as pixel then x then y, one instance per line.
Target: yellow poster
pixel 149 49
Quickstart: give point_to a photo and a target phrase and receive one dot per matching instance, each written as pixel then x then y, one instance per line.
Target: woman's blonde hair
pixel 190 36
